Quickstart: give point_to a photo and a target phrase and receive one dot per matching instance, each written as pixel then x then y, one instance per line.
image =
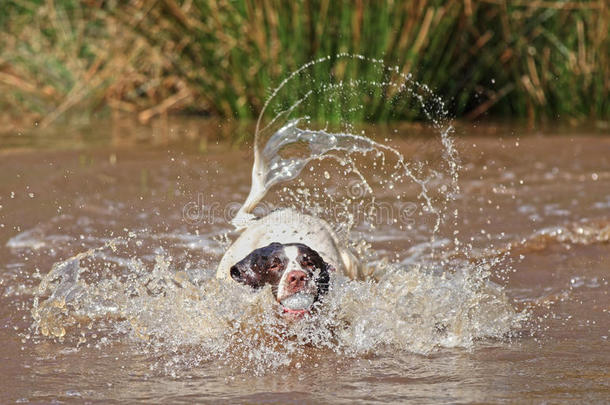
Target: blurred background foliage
pixel 528 59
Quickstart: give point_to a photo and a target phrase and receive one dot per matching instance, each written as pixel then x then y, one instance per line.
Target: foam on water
pixel 185 317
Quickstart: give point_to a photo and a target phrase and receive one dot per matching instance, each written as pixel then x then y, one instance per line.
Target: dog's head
pixel 297 274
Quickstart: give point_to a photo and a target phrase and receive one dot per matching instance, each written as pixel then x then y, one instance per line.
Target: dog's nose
pixel 296 279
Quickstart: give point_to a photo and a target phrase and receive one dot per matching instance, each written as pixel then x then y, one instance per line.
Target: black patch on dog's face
pixel 263 266
pixel 266 265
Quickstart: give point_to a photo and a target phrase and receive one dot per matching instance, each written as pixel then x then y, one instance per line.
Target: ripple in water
pixel 184 317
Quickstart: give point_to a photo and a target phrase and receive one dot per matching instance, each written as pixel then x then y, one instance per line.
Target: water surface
pixel 534 210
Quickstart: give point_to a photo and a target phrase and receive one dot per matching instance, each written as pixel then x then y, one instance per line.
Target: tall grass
pixel 57 57
pixel 528 59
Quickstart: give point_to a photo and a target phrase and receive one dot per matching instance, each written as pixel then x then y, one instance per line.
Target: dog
pixel 293 252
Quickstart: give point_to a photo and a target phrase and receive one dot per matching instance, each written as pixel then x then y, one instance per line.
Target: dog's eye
pixel 275 266
pixel 308 264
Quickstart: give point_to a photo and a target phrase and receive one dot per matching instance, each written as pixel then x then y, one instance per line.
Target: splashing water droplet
pixel 416 302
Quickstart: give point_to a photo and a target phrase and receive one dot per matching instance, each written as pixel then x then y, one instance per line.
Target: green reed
pixel 541 60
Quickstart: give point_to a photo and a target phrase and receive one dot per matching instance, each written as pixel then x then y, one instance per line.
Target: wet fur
pixel 254 269
pixel 287 226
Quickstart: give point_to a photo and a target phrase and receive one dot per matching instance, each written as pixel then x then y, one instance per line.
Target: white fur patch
pixel 292 253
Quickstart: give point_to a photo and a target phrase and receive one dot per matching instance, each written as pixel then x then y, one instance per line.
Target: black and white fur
pixel 298 276
pixel 287 236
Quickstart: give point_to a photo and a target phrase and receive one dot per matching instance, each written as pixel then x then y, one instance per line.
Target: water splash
pixel 190 318
pixel 183 316
pixel 271 168
pixel 322 145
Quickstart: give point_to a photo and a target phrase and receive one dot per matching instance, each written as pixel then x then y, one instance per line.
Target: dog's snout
pixel 297 279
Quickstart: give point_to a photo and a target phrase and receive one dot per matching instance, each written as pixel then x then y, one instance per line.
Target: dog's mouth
pixel 298 304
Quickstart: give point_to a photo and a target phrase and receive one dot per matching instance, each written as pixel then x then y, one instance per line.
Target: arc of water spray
pixel 290 133
pixel 257 188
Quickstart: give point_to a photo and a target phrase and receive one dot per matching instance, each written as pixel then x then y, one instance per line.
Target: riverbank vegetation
pixel 536 60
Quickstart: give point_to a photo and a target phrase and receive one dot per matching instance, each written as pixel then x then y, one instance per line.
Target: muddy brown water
pixel 541 202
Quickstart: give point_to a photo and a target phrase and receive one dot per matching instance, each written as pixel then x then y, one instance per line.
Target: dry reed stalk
pixel 553 56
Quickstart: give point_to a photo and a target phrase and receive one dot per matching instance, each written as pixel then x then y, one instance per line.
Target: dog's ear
pixel 323 279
